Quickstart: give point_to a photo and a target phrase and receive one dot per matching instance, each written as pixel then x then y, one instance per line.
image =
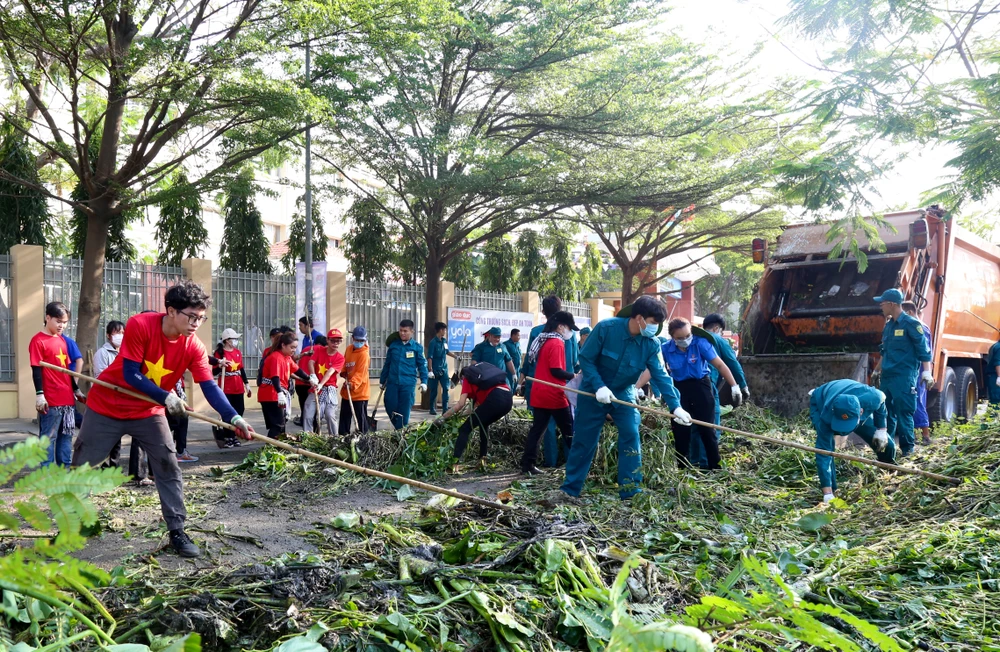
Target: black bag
pixel 484 375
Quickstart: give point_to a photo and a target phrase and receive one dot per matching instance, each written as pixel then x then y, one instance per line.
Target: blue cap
pixel 892 296
pixel 846 414
pixel 585 330
pixel 495 332
pixel 360 334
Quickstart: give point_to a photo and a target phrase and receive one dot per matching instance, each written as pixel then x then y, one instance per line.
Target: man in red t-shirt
pixel 55 392
pixel 547 356
pixel 156 351
pixel 326 364
pixel 491 405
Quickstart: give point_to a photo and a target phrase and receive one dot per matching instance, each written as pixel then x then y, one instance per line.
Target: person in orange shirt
pixel 356 364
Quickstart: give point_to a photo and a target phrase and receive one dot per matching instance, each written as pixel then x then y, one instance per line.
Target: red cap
pixel 334 334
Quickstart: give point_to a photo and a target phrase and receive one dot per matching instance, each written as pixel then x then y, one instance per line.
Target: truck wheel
pixel 942 406
pixel 968 393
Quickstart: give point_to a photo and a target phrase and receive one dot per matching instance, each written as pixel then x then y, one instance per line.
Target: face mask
pixel 233 343
pixel 685 343
pixel 650 330
pixel 117 338
pixel 358 344
pixel 567 334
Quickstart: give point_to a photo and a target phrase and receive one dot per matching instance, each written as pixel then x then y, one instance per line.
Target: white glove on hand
pixel 811 391
pixel 639 393
pixel 430 374
pixel 604 395
pixel 423 387
pixel 881 439
pixel 998 381
pixel 927 377
pixel 682 416
pixel 175 406
pixel 314 380
pixel 41 405
pixel 243 429
pixel 827 498
pixel 80 396
pixel 737 396
pixel 282 401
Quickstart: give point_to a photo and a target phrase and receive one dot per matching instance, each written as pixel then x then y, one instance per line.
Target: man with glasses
pixel 156 351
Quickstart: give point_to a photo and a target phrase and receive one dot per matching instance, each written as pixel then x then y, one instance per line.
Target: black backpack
pixel 484 375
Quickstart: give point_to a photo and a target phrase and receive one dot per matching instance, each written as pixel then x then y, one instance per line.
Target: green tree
pixel 409 261
pixel 24 209
pixel 118 248
pixel 367 245
pixel 180 231
pixel 563 279
pixel 244 245
pixel 497 271
pixel 532 266
pixel 297 236
pixel 462 271
pixel 728 291
pixel 591 269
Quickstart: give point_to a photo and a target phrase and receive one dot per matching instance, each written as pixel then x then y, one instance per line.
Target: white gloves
pixel 604 395
pixel 881 439
pixel 243 429
pixel 423 387
pixel 927 377
pixel 430 374
pixel 998 381
pixel 639 393
pixel 811 391
pixel 827 498
pixel 313 380
pixel 737 396
pixel 41 405
pixel 175 406
pixel 682 416
pixel 80 396
pixel 282 401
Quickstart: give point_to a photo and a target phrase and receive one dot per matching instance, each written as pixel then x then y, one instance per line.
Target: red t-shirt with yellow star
pixel 323 361
pixel 58 387
pixel 161 360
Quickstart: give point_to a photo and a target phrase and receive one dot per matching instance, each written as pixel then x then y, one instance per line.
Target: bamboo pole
pixel 770 440
pixel 294 449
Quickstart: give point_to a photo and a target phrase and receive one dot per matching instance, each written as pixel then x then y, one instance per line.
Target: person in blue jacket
pixel 992 373
pixel 904 352
pixel 841 407
pixel 492 351
pixel 550 443
pixel 437 360
pixel 714 324
pixel 513 346
pixel 921 419
pixel 617 352
pixel 404 365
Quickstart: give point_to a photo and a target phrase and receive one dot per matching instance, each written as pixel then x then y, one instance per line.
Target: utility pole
pixel 309 214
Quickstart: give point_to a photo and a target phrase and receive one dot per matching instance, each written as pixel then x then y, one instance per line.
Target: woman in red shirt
pixel 491 405
pixel 232 378
pixel 273 394
pixel 548 357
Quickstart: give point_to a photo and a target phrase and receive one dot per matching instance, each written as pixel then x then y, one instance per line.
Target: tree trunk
pixel 92 279
pixel 432 280
pixel 628 282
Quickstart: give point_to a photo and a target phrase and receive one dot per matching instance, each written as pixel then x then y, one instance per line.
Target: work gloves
pixel 639 393
pixel 313 380
pixel 41 405
pixel 604 395
pixel 737 396
pixel 746 394
pixel 928 378
pixel 827 498
pixel 243 429
pixel 998 382
pixel 430 374
pixel 881 439
pixel 175 406
pixel 80 396
pixel 282 401
pixel 423 387
pixel 876 378
pixel 682 416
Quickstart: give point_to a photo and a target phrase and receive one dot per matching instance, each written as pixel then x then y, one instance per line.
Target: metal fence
pixel 577 308
pixel 252 304
pixel 129 288
pixel 478 300
pixel 6 323
pixel 379 307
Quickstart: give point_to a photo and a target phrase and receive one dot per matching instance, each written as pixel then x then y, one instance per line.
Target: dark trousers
pixel 697 399
pixel 238 403
pixel 499 402
pixel 179 428
pixel 564 421
pixel 302 391
pixel 274 418
pixel 360 413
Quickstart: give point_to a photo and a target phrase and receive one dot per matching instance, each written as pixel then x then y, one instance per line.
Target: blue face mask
pixel 358 344
pixel 650 330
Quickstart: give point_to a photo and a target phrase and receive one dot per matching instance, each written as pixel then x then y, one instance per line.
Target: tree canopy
pixel 180 231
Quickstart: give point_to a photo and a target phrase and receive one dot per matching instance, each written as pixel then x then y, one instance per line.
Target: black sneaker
pixel 534 470
pixel 297 420
pixel 183 544
pixel 232 442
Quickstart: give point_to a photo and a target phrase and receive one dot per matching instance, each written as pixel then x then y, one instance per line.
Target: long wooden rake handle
pixel 295 449
pixel 770 440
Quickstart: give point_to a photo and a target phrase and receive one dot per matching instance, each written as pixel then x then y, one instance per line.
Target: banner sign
pixel 468 326
pixel 318 292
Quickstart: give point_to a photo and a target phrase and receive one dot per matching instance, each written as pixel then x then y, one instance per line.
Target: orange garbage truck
pixel 813 319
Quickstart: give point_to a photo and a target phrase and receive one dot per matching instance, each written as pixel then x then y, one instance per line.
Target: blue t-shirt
pixel 72 349
pixel 691 363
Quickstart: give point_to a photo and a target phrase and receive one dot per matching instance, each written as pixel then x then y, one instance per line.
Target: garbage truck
pixel 813 319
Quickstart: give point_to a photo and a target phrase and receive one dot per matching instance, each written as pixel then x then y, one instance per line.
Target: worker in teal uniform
pixel 921 419
pixel 617 352
pixel 993 374
pixel 437 360
pixel 584 334
pixel 714 324
pixel 841 407
pixel 550 443
pixel 904 352
pixel 404 365
pixel 513 346
pixel 492 351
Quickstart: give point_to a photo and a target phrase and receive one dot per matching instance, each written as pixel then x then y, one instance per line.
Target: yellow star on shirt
pixel 63 358
pixel 322 369
pixel 156 372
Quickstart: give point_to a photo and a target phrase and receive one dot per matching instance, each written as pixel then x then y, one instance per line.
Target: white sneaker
pixel 186 457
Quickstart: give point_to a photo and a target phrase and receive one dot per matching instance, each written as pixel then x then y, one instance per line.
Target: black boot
pixel 183 544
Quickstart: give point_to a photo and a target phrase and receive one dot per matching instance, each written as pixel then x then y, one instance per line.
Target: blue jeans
pixel 696 454
pixel 53 425
pixel 432 386
pixel 398 403
pixel 587 425
pixel 825 464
